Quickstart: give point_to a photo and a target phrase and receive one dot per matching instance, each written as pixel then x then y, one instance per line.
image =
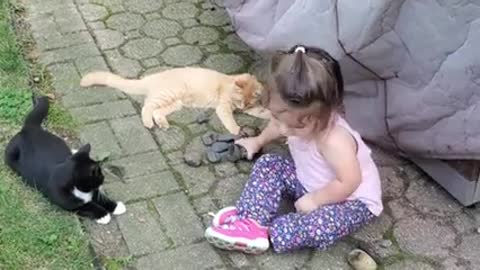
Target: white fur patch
pixel 104 220
pixel 74 151
pixel 84 196
pixel 120 209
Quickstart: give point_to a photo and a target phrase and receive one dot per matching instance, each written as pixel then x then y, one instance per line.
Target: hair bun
pixel 300 49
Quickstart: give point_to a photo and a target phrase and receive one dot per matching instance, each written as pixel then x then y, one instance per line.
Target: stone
pixel 107 239
pixel 409 264
pixel 202 118
pixel 161 28
pixel 88 64
pixel 234 43
pixel 429 198
pixel 142 164
pixel 125 22
pixel 273 261
pixel 68 20
pixel 108 39
pixel 382 158
pixel 198 181
pixel 142 48
pixel 247 131
pixel 93 12
pixel 150 62
pixel 331 259
pixel 213 156
pixel 97 25
pixel 174 209
pixel 132 135
pixel 189 22
pixel 244 166
pixel 175 158
pixel 142 187
pixel 69 53
pixel 220 147
pixel 226 63
pixel 141 231
pixel 228 190
pixel 360 260
pixel 386 243
pixel 469 249
pixel 172 41
pixel 143 6
pixel 200 35
pixel 65 78
pixel 54 40
pixel 133 34
pixel 424 236
pixel 225 170
pixel 204 205
pixel 152 70
pixel 101 139
pixel 182 55
pixel 454 264
pixel 401 208
pixel 107 110
pixel 179 11
pixel 209 138
pixel 193 159
pixel 90 96
pixel 200 257
pixel 212 48
pixel 185 116
pixel 393 186
pixel 197 129
pixel 375 230
pixel 123 66
pixel 214 17
pixel 170 139
pixel 113 5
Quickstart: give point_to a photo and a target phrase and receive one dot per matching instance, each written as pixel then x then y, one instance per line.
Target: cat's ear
pixel 242 80
pixel 83 151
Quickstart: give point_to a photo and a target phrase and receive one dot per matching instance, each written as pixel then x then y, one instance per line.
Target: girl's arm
pixel 339 150
pixel 254 144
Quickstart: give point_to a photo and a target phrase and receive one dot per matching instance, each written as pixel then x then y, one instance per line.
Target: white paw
pixel 74 151
pixel 104 220
pixel 120 209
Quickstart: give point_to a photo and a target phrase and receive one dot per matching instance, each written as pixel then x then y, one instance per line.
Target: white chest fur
pixel 84 196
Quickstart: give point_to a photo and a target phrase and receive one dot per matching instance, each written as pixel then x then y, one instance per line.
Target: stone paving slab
pixel 168 202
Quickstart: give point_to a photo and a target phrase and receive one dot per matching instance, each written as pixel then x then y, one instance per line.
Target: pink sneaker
pixel 244 235
pixel 225 216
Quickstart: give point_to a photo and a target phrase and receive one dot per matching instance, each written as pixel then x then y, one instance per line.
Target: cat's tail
pixel 39 112
pixel 128 86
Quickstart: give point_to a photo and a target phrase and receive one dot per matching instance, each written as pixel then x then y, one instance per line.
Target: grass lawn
pixel 33 234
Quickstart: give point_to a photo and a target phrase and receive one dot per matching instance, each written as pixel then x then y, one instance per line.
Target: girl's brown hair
pixel 306 77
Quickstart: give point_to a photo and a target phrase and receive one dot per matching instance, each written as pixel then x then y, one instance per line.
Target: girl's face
pixel 291 121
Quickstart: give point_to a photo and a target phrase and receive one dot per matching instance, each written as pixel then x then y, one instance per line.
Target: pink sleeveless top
pixel 313 172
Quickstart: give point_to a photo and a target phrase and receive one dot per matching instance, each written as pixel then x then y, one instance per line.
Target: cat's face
pixel 87 173
pixel 250 91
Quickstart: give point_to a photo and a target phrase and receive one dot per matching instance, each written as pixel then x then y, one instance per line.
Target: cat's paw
pixel 148 123
pixel 104 220
pixel 120 209
pixel 160 120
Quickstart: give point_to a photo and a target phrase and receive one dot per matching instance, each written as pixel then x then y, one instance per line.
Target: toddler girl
pixel 330 174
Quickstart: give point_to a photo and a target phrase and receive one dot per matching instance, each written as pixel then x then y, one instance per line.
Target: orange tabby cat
pixel 167 91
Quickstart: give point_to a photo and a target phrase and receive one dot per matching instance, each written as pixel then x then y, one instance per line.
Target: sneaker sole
pixel 239 244
pixel 216 218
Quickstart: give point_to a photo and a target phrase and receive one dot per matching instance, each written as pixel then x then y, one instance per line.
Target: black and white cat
pixel 46 163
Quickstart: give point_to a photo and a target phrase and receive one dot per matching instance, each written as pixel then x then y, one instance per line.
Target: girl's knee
pixel 270 159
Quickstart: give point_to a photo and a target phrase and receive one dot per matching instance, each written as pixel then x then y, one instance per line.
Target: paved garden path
pixel 167 201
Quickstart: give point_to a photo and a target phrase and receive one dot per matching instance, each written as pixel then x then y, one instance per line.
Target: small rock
pixel 220 147
pixel 386 243
pixel 193 159
pixel 236 152
pixel 36 79
pixel 202 118
pixel 226 138
pixel 360 260
pixel 478 230
pixel 246 131
pixel 213 156
pixel 209 138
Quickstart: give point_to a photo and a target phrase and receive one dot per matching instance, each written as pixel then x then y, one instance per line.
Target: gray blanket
pixel 411 67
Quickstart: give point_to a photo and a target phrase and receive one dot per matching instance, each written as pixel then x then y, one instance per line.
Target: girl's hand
pixel 252 145
pixel 306 204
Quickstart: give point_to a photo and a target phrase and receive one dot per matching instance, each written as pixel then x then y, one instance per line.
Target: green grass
pixel 33 233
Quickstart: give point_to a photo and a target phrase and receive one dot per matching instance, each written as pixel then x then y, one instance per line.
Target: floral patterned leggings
pixel 274 176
